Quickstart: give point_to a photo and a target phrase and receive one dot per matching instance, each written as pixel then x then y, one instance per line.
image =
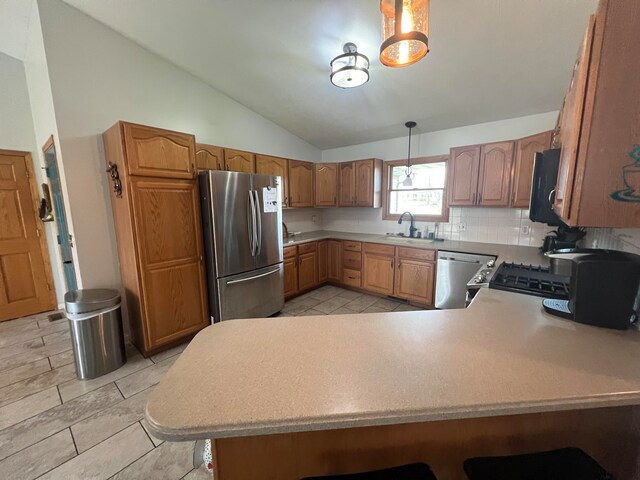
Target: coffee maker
pixel 604 288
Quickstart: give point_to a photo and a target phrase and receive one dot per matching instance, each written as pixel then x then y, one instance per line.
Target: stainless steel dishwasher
pixel 454 271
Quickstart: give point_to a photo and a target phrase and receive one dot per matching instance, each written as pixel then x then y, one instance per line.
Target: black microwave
pixel 545 178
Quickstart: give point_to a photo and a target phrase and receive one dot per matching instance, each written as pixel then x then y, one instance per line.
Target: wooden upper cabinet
pixel 368 187
pixel 154 152
pixel 239 161
pixel 526 149
pixel 334 260
pixel 166 214
pixel 464 163
pixel 571 124
pixel 326 185
pixel 301 185
pixel 360 183
pixel 267 165
pixel 494 180
pixel 347 184
pixel 209 157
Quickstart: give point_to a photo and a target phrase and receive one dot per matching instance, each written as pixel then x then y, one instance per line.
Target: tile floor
pixel 53 426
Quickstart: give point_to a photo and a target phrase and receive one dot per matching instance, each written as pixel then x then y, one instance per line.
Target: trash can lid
pixel 88 300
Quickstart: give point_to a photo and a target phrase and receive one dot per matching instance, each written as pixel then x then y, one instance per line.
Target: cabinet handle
pixel 473 201
pixel 552 193
pixel 479 198
pixel 392 262
pixel 193 170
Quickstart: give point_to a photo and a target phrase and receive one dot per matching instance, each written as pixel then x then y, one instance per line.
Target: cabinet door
pixel 364 183
pixel 153 152
pixel 464 165
pixel 290 276
pixel 378 273
pixel 334 265
pixel 526 149
pixel 169 241
pixel 571 124
pixel 209 157
pixel 494 181
pixel 346 185
pixel 301 183
pixel 239 161
pixel 415 280
pixel 267 165
pixel 326 185
pixel 307 270
pixel 323 259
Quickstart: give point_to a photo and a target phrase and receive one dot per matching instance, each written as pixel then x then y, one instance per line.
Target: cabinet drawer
pixel 353 278
pixel 352 246
pixel 308 248
pixel 417 253
pixel 289 252
pixel 378 249
pixel 352 260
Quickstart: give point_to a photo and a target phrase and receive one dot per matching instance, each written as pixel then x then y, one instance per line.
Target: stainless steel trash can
pixel 95 322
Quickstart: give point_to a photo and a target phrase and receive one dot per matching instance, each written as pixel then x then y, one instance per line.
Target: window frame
pixel 386 188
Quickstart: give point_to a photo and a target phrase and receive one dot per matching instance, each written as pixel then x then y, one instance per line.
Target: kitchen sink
pixel 403 240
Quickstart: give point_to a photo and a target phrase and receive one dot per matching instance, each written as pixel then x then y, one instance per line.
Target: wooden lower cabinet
pixel 378 268
pixel 290 271
pixel 307 270
pixel 415 280
pixel 323 261
pixel 334 260
pixel 402 272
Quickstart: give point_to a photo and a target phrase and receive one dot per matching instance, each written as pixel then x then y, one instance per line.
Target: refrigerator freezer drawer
pixel 254 294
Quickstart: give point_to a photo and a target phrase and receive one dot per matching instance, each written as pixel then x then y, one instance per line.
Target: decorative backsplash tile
pixel 488 225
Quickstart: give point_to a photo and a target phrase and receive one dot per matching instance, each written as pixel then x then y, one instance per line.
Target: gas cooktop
pixel 530 280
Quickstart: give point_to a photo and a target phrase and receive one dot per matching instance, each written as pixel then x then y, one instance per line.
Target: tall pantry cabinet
pixel 156 213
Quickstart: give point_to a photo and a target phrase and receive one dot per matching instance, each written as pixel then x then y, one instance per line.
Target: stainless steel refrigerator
pixel 242 226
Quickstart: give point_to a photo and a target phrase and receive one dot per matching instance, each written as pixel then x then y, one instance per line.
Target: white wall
pixel 439 143
pixel 17 133
pixel 99 77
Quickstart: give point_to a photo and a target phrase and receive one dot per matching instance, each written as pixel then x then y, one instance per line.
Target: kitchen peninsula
pixel 284 398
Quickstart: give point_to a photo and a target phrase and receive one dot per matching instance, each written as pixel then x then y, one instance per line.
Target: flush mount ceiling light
pixel 408 182
pixel 409 43
pixel 351 69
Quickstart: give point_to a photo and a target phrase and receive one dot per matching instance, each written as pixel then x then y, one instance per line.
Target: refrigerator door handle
pixel 251 219
pixel 241 280
pixel 259 224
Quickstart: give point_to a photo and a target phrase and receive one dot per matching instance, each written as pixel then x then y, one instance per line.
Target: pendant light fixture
pixel 351 69
pixel 408 181
pixel 405 31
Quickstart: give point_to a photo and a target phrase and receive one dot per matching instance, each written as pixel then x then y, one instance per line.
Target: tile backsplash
pixel 488 225
pixel 627 239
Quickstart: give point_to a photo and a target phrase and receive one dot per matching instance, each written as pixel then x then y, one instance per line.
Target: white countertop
pixel 502 355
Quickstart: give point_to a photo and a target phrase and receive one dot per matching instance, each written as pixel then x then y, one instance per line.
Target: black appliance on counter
pixel 545 179
pixel 604 289
pixel 531 280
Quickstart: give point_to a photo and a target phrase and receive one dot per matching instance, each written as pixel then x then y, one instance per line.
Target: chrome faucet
pixel 412 228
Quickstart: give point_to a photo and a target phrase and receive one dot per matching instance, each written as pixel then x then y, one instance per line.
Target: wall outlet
pixel 462 227
pixel 525 229
pixel 314 218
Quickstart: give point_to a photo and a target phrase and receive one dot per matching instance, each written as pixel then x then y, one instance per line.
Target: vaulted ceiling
pixel 489 59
